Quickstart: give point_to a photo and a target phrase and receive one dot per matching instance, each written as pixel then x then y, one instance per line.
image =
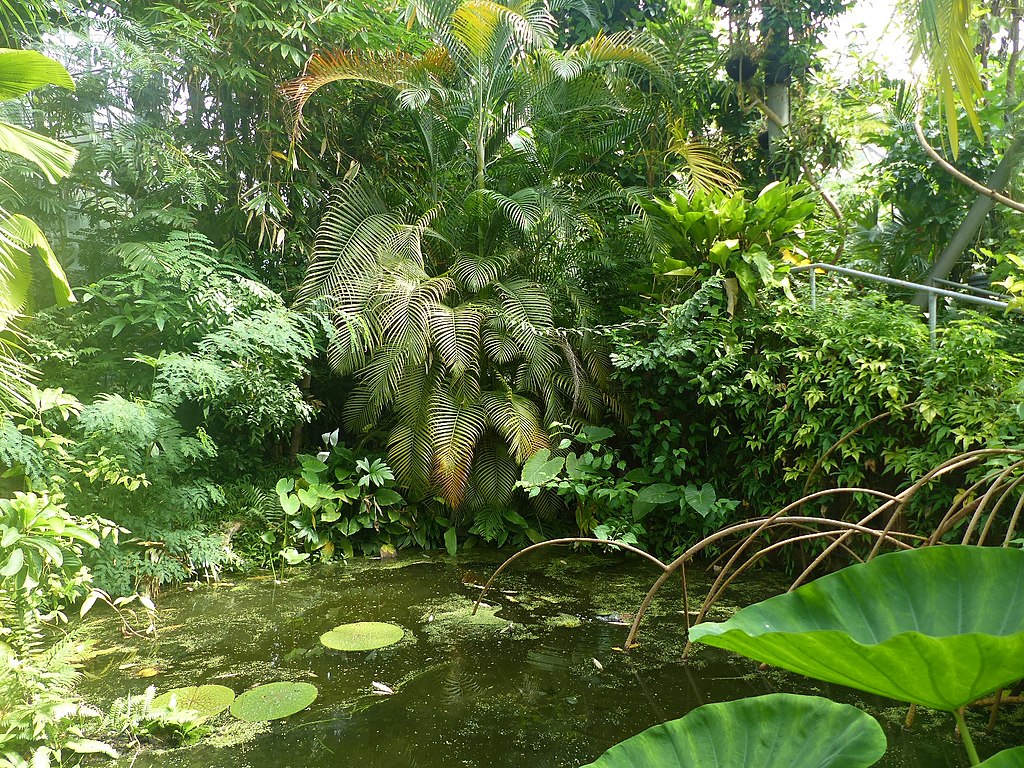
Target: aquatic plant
pixel 780 730
pixel 362 636
pixel 273 701
pixel 938 626
pixel 206 700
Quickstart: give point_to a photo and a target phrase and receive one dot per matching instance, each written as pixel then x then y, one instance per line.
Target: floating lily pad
pixel 207 700
pixel 273 701
pixel 780 730
pixel 362 636
pixel 939 626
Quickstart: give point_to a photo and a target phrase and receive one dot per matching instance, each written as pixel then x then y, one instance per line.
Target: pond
pixel 538 679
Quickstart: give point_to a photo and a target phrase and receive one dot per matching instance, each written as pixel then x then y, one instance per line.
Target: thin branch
pixel 959 175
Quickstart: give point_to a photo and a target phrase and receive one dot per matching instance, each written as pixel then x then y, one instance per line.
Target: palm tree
pixel 450 298
pixel 20 237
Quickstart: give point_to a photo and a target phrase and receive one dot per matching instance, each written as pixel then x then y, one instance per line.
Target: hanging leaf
pixel 701 499
pixel 938 626
pixel 780 730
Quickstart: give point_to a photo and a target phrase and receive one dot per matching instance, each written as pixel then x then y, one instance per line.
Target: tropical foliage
pixel 447 300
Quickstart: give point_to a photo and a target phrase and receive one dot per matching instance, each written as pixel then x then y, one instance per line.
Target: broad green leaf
pixel 451 541
pixel 273 701
pixel 660 493
pixel 1008 758
pixel 92 747
pixel 309 497
pixel 591 434
pixel 541 468
pixel 938 626
pixel 780 730
pixel 14 563
pixel 362 636
pixel 207 700
pixel 700 499
pixel 22 71
pixel 290 503
pixel 330 515
pixel 386 497
pixel 54 158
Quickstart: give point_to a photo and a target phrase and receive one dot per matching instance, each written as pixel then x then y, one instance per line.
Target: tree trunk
pixel 968 229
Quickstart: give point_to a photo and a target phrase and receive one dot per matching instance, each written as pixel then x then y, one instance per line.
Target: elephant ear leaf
pixel 781 730
pixel 1008 758
pixel 938 626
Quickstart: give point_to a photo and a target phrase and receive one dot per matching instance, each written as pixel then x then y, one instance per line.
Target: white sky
pixel 872 27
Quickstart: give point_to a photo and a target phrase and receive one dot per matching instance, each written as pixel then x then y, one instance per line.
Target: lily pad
pixel 1008 758
pixel 362 636
pixel 273 701
pixel 207 700
pixel 780 730
pixel 938 626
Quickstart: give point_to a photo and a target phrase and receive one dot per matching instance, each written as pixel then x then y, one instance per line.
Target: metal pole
pixel 814 290
pixel 933 306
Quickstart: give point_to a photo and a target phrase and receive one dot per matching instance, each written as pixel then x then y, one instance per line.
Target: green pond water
pixel 536 680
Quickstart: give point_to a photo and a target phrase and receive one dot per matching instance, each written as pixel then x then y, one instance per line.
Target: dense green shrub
pixel 189 372
pixel 751 405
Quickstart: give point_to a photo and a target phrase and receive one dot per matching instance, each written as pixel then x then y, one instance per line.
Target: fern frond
pixel 392 69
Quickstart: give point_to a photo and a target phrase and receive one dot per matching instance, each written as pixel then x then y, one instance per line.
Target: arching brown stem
pixel 557 542
pixel 718 535
pixel 838 443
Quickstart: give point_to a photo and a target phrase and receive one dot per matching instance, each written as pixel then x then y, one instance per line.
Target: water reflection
pixel 536 682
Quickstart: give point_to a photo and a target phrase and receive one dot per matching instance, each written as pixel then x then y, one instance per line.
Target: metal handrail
pixel 932 291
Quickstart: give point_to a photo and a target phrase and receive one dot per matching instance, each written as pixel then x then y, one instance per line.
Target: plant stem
pixel 965 734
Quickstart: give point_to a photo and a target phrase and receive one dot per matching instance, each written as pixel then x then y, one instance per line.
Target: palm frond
pixel 495 473
pixel 410 442
pixel 517 419
pixel 456 425
pixel 455 332
pixel 392 69
pixel 347 247
pixel 478 24
pixel 19 236
pixel 942 32
pixel 703 168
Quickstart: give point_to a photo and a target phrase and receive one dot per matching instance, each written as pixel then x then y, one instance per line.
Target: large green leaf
pixel 362 636
pixel 18 235
pixel 273 701
pixel 938 626
pixel 207 700
pixel 54 158
pixel 1008 758
pixel 781 730
pixel 24 71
